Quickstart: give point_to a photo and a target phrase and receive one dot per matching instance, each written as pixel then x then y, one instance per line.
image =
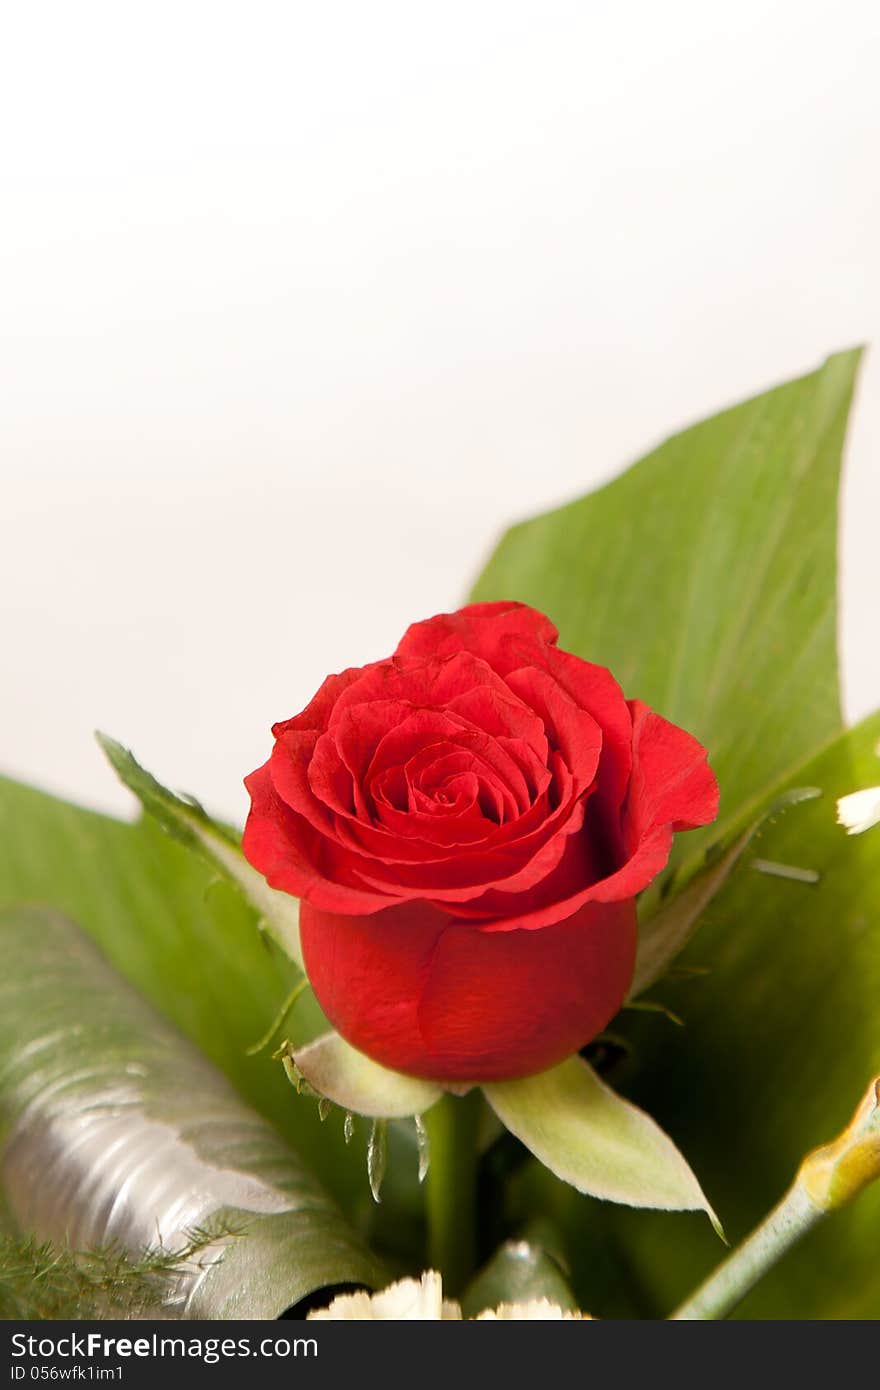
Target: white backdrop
pixel 301 304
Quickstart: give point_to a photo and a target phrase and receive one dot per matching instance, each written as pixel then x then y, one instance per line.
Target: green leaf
pixel 780 1037
pixel 665 933
pixel 790 1019
pixel 186 939
pixel 596 1141
pixel 333 1068
pixel 703 577
pixel 145 1141
pixel 190 823
pixel 518 1272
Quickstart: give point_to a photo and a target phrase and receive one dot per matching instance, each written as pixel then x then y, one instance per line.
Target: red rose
pixel 468 825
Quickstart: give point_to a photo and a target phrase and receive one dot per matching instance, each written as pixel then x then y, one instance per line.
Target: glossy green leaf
pixel 704 578
pixel 185 938
pixel 116 1131
pixel 356 1083
pixel 190 823
pixel 593 1139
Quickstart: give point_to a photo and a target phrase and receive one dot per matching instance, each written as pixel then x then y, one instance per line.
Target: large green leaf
pixel 187 940
pixel 664 934
pixel 115 1131
pixel 779 1037
pixel 704 577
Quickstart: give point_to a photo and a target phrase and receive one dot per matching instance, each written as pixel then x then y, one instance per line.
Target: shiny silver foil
pixel 114 1129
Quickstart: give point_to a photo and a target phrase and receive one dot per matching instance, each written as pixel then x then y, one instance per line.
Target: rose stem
pixel 828 1179
pixel 451 1188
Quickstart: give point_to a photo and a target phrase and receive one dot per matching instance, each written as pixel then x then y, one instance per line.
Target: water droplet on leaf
pixel 424 1147
pixel 377 1152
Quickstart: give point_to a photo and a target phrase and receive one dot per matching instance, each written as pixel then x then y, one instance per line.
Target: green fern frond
pixel 39 1281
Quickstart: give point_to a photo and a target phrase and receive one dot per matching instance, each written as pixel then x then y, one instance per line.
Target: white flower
pixel 421 1300
pixel 409 1300
pixel 538 1310
pixel 860 810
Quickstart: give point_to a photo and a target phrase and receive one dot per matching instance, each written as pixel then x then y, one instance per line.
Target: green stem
pixel 732 1280
pixel 451 1188
pixel 829 1178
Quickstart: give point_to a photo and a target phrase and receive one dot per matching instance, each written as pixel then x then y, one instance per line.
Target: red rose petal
pixel 289 766
pixel 484 629
pixel 427 684
pixel 515 865
pixel 321 706
pixel 595 690
pixel 423 994
pixel 672 788
pixel 286 849
pixel 570 729
pixel 502 715
pixel 421 727
pixel 671 781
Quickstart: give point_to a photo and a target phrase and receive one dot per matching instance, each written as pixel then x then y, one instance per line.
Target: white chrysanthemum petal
pixel 351 1307
pixel 409 1300
pixel 860 810
pixel 537 1310
pixel 422 1300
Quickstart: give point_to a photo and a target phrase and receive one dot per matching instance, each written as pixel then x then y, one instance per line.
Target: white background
pixel 302 303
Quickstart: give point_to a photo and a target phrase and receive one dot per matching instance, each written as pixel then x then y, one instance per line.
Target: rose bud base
pixel 431 996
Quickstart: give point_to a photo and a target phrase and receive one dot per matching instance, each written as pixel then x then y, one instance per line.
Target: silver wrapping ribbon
pixel 113 1129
